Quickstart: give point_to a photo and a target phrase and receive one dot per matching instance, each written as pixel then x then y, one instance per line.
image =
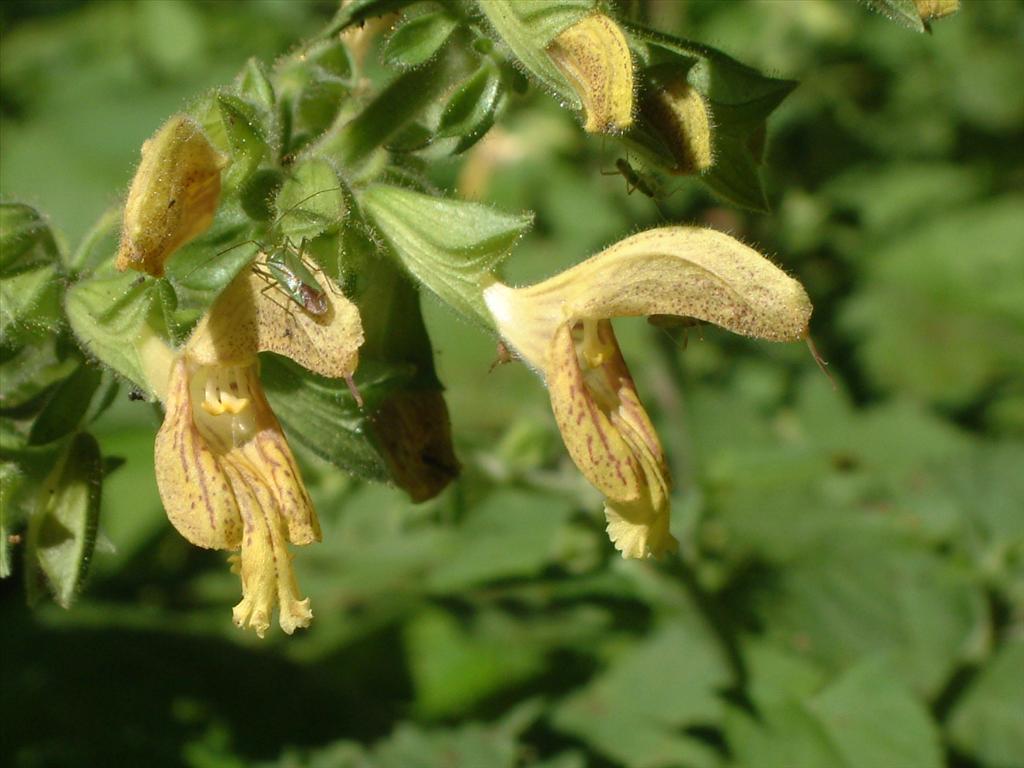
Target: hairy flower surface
pixel 173 196
pixel 594 57
pixel 227 478
pixel 560 328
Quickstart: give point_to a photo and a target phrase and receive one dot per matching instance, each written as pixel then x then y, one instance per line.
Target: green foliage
pixel 454 261
pixel 61 531
pixel 850 587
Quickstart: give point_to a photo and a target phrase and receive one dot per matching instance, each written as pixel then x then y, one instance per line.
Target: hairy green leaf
pixel 454 260
pixel 246 136
pixel 418 40
pixel 62 527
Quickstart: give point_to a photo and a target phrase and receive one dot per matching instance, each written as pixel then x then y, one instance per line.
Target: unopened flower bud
pixel 936 9
pixel 679 116
pixel 173 196
pixel 414 434
pixel 594 56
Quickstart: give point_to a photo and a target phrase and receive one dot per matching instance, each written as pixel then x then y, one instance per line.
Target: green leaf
pixel 332 58
pixel 62 528
pixel 633 713
pixel 734 175
pixel 316 108
pixel 31 272
pixel 418 40
pixel 411 138
pixel 986 722
pixel 313 85
pixel 11 481
pixel 864 719
pixel 26 242
pixel 921 286
pixel 470 111
pixel 512 534
pixel 528 28
pixel 311 201
pixel 30 306
pixel 470 744
pixel 323 416
pixel 359 11
pixel 903 12
pixel 99 245
pixel 253 84
pixel 890 199
pixel 858 591
pixel 27 371
pixel 454 260
pixel 403 100
pixel 66 406
pixel 114 314
pixel 454 667
pixel 258 194
pixel 245 134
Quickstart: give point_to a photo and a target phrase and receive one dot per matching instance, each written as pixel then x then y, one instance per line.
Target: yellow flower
pixel 936 9
pixel 593 55
pixel 679 117
pixel 173 196
pixel 561 328
pixel 226 475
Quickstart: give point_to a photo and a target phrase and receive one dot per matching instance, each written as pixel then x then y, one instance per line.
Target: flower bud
pixel 414 434
pixel 595 58
pixel 679 116
pixel 936 9
pixel 173 196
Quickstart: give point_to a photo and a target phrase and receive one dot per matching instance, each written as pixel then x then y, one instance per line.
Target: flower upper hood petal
pixel 684 271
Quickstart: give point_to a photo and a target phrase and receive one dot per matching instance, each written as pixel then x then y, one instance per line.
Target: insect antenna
pixel 273 226
pixel 221 252
pixel 294 207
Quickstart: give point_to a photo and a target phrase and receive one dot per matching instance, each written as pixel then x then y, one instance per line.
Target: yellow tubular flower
pixel 594 56
pixel 173 195
pixel 560 328
pixel 680 117
pixel 226 475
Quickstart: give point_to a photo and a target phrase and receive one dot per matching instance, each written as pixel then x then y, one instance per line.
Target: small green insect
pixel 635 182
pixel 285 266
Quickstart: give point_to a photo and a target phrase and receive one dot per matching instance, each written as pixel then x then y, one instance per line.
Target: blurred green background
pixel 850 590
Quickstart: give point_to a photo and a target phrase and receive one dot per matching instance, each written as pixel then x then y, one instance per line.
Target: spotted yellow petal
pixel 253 315
pixel 265 564
pixel 193 487
pixel 682 271
pixel 582 404
pixel 327 345
pixel 267 451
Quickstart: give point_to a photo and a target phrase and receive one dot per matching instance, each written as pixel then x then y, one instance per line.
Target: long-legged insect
pixel 634 181
pixel 285 266
pixel 637 182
